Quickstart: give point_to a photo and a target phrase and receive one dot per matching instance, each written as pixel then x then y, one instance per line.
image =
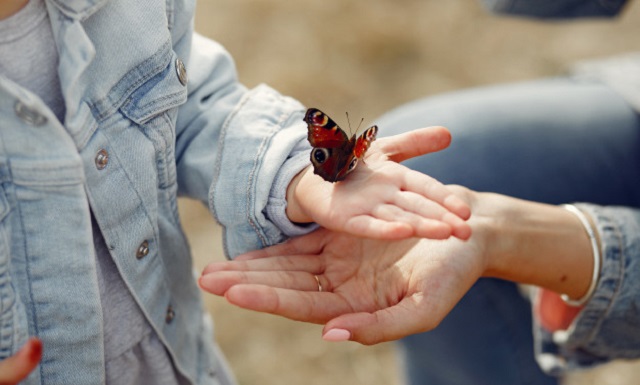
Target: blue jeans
pixel 553 141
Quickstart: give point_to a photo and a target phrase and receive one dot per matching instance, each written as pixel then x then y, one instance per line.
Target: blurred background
pixel 366 57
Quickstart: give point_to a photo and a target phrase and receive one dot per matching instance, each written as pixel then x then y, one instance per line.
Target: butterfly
pixel 334 155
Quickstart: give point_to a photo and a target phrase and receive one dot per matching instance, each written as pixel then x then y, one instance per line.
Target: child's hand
pixel 17 367
pixel 381 198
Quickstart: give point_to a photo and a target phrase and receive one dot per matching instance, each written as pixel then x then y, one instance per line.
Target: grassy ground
pixel 367 57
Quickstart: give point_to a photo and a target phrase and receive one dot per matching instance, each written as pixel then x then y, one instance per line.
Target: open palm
pixel 374 290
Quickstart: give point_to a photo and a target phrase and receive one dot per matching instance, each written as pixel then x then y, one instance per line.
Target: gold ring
pixel 318 281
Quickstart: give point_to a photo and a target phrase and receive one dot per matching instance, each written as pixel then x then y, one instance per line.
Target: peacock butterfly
pixel 334 155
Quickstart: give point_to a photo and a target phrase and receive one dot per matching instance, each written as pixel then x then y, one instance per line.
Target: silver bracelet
pixel 596 258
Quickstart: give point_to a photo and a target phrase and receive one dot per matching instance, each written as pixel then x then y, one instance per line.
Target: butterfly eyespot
pixel 353 164
pixel 319 118
pixel 320 155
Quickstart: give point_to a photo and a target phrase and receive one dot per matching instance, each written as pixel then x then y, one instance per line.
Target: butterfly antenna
pixel 349 122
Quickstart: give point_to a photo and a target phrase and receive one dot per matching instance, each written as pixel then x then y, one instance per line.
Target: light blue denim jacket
pixel 136 134
pixel 609 326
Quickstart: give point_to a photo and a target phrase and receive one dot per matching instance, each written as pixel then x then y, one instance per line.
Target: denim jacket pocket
pixel 152 108
pixel 162 92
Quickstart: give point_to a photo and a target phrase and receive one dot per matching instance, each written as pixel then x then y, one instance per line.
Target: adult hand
pixel 17 367
pixel 372 290
pixel 381 198
pixel 379 290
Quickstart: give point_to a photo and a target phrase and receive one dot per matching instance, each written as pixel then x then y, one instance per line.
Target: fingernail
pixel 36 350
pixel 337 335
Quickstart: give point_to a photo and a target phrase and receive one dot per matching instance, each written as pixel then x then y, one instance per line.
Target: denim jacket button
pixel 143 250
pixel 102 159
pixel 29 115
pixel 182 72
pixel 170 315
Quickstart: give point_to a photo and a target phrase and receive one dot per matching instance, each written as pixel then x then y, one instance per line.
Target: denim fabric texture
pixel 135 135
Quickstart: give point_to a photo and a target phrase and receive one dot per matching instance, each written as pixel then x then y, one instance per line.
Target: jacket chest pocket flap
pixel 152 107
pixel 158 94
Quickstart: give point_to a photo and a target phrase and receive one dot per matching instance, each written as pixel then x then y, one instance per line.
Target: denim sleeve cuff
pixel 277 205
pixel 257 139
pixel 606 328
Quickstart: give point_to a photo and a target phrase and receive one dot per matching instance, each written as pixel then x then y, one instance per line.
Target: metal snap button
pixel 102 159
pixel 182 72
pixel 143 250
pixel 29 115
pixel 170 315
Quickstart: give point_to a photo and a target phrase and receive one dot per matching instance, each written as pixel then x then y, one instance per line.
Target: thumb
pixel 415 143
pixel 17 367
pixel 388 324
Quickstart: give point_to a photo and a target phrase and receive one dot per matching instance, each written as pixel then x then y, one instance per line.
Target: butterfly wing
pixel 359 148
pixel 364 141
pixel 323 131
pixel 332 149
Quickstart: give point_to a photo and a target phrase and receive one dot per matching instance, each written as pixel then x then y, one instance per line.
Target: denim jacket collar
pixel 76 52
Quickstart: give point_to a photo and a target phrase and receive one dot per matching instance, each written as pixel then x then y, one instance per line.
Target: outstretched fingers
pixel 415 143
pixel 310 263
pixel 409 214
pixel 427 225
pixel 219 283
pixel 431 188
pixel 315 307
pixel 369 226
pixel 311 243
pixel 429 219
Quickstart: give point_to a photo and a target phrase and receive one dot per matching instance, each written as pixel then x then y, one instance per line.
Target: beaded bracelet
pixel 596 257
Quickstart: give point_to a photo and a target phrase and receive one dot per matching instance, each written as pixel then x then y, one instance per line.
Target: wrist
pixel 533 243
pixel 590 229
pixel 295 211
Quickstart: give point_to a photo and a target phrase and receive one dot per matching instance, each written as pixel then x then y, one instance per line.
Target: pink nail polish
pixel 337 335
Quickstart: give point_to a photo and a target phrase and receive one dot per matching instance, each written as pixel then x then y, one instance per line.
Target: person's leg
pixel 485 340
pixel 551 141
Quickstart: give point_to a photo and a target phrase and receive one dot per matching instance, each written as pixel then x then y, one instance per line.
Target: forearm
pixel 533 243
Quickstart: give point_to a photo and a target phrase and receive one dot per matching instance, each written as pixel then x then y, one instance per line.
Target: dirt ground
pixel 365 58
